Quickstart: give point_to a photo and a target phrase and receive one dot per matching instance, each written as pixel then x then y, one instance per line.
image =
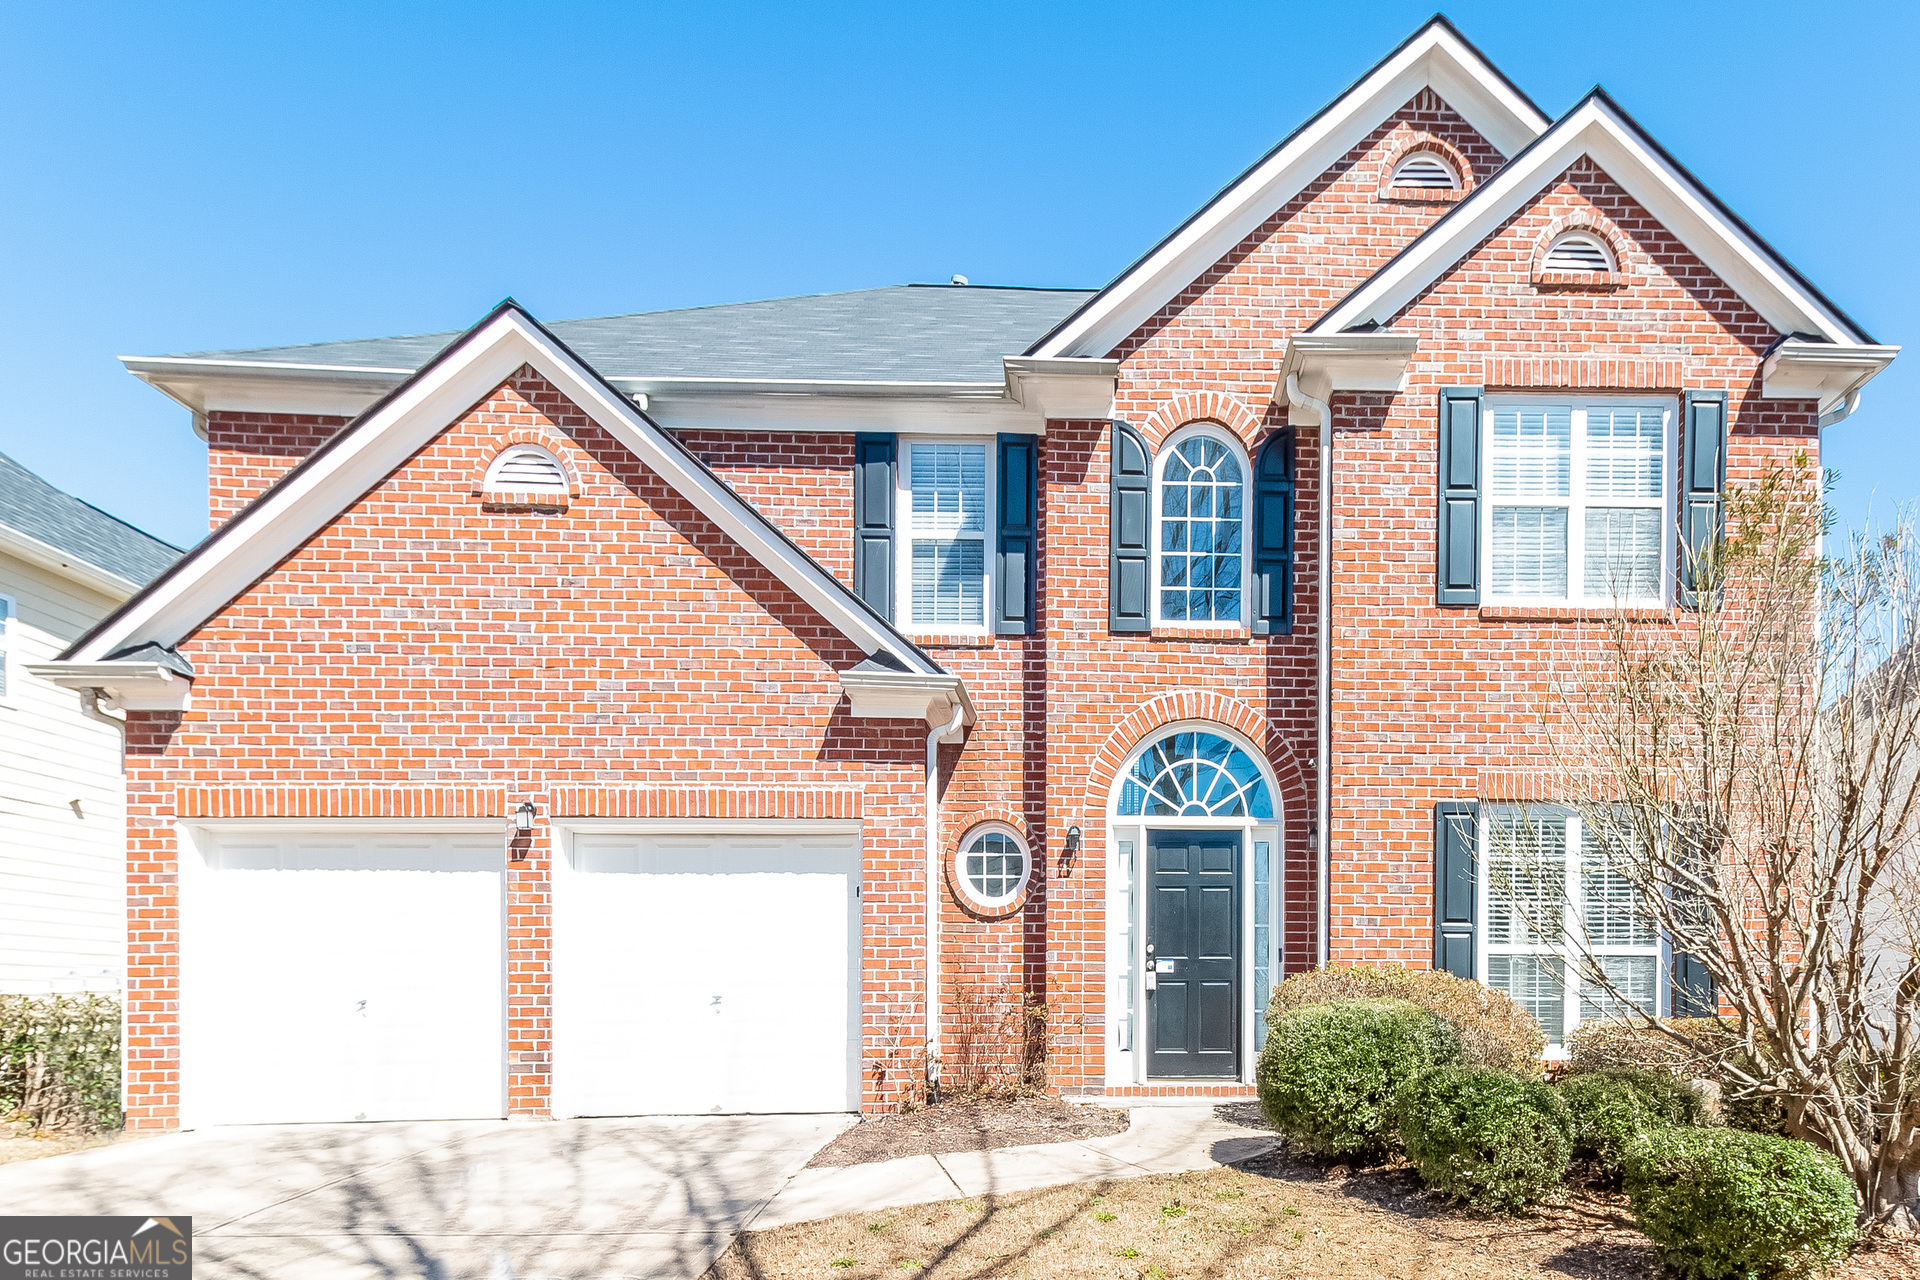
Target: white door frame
pixel 1126 932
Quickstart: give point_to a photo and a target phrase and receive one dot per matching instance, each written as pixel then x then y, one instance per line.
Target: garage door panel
pixel 341 978
pixel 706 973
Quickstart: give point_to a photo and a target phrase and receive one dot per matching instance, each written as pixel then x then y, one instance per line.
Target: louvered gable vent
pixel 1577 253
pixel 1425 170
pixel 526 468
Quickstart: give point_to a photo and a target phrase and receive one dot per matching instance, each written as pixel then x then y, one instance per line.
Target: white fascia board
pixel 1594 130
pixel 23 546
pixel 816 413
pixel 249 386
pixel 330 481
pixel 128 686
pixel 1823 371
pixel 901 695
pixel 1063 387
pixel 1435 59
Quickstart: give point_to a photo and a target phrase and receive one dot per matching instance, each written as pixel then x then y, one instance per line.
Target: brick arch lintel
pixel 1415 141
pixel 1193 705
pixel 957 827
pixel 1591 221
pixel 1217 407
pixel 546 436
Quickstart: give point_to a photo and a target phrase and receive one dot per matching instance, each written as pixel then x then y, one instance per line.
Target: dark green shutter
pixel 1130 522
pixel 1013 563
pixel 1454 914
pixel 1458 524
pixel 874 459
pixel 1273 536
pixel 1703 477
pixel 1693 994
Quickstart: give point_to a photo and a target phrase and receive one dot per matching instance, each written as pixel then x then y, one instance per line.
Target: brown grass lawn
pixel 1276 1217
pixel 31 1144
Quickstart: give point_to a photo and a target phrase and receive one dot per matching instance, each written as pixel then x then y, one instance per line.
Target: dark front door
pixel 1193 953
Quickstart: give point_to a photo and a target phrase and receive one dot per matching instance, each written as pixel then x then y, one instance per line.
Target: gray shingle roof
pixel 37 509
pixel 901 333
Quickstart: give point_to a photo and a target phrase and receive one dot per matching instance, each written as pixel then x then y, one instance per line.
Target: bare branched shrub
pixel 1750 767
pixel 998 1038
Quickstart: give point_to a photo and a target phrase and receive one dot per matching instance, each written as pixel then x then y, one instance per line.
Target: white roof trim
pixel 1596 128
pixel 331 480
pixel 128 686
pixel 1823 371
pixel 75 568
pixel 1435 58
pixel 900 695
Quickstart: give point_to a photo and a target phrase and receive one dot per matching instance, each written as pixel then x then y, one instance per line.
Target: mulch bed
pixel 970 1125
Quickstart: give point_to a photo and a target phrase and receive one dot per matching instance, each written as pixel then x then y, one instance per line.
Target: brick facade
pixel 432 653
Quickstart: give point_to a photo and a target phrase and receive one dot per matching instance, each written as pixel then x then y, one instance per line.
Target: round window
pixel 993 866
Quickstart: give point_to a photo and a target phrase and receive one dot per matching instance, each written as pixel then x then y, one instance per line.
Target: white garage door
pixel 706 973
pixel 344 977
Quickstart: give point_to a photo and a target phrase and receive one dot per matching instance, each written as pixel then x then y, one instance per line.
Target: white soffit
pixel 1436 58
pixel 1597 128
pixel 358 458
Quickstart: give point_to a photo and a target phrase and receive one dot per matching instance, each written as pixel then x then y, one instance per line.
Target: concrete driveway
pixel 490 1199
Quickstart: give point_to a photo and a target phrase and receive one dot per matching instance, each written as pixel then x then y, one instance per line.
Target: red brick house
pixel 647 714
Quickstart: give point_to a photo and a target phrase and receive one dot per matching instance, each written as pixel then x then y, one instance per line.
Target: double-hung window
pixel 1550 885
pixel 945 566
pixel 1580 501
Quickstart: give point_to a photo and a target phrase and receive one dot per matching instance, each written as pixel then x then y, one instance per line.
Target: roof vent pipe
pixel 959 280
pixel 1322 755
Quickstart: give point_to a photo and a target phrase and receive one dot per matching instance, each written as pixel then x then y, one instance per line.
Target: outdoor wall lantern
pixel 523 817
pixel 1071 851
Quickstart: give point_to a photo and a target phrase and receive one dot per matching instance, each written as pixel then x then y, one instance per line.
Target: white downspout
pixel 1323 740
pixel 933 890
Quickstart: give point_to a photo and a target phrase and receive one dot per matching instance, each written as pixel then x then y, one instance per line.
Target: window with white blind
pixel 1580 498
pixel 945 505
pixel 1551 893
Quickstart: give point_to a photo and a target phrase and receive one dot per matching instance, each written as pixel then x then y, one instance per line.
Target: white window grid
pixel 1159 520
pixel 992 865
pixel 1534 497
pixel 954 528
pixel 1537 923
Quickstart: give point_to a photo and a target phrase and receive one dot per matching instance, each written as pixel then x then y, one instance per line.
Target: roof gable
pixel 313 494
pixel 1599 129
pixel 1436 57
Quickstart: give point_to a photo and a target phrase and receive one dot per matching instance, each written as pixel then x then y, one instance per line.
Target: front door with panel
pixel 1193 954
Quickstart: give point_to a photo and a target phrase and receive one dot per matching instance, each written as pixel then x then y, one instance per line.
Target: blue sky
pixel 182 178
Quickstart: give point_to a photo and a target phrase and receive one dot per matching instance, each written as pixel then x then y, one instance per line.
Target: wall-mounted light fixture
pixel 1070 851
pixel 523 816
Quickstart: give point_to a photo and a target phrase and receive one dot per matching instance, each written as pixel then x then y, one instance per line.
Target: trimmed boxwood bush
pixel 1491 1139
pixel 1494 1030
pixel 1723 1202
pixel 1612 1108
pixel 1330 1072
pixel 1601 1044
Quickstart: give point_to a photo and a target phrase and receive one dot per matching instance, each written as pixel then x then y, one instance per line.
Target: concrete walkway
pixel 1159 1139
pixel 655 1199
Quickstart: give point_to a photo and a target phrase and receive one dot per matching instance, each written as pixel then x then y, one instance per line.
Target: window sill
pixel 503 499
pixel 950 640
pixel 1424 195
pixel 1572 613
pixel 1580 281
pixel 1213 635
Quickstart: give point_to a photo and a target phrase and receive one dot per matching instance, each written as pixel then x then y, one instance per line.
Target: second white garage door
pixel 703 973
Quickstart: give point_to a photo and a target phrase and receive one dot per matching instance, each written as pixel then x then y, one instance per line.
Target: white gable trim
pixel 1598 129
pixel 1436 58
pixel 331 480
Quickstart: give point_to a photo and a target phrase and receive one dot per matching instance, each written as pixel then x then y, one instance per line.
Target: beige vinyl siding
pixel 62 803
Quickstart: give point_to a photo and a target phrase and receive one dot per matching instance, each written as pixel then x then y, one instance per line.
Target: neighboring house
pixel 646 714
pixel 64 565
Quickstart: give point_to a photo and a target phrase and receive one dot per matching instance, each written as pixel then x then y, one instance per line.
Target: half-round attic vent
pixel 1427 170
pixel 526 468
pixel 1577 251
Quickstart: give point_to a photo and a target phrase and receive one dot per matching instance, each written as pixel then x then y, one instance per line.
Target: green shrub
pixel 1613 1107
pixel 60 1060
pixel 1494 1031
pixel 1720 1202
pixel 1491 1139
pixel 1603 1044
pixel 1330 1072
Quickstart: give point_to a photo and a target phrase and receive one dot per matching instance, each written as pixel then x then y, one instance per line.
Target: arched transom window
pixel 1202 514
pixel 1194 775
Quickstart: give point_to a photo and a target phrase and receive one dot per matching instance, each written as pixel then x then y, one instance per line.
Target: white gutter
pixel 1323 737
pixel 47 556
pixel 933 891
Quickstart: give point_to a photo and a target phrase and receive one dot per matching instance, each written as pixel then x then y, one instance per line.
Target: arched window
pixel 1202 509
pixel 526 468
pixel 993 866
pixel 1426 170
pixel 1578 251
pixel 1194 775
